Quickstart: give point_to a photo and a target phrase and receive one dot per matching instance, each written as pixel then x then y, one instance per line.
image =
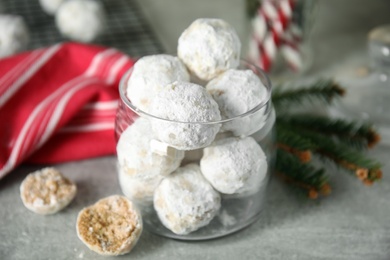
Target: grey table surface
pixel 352 223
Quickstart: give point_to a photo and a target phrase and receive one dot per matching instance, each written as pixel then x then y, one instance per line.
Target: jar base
pixel 235 215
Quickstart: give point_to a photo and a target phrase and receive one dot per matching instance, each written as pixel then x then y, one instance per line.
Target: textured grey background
pixel 352 223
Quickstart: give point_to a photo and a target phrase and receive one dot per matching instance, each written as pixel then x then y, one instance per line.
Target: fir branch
pixel 352 134
pixel 294 143
pixel 333 139
pixel 304 176
pixel 340 154
pixel 323 90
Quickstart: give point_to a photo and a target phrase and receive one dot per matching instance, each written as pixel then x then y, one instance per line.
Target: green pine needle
pixel 295 144
pixel 353 134
pixel 338 152
pixel 300 174
pixel 337 140
pixel 292 139
pixel 321 91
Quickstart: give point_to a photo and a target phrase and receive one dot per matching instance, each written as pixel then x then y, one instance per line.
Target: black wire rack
pixel 127 28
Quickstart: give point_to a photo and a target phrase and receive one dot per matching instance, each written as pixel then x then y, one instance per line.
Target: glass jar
pixel 367 93
pixel 237 210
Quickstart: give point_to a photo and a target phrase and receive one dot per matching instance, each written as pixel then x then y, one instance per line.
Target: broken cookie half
pixel 112 226
pixel 47 191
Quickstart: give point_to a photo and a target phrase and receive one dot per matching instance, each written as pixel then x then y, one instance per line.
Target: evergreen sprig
pixel 305 176
pixel 353 134
pixel 299 136
pixel 294 143
pixel 324 91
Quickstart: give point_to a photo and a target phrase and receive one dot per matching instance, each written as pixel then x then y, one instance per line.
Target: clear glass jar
pixel 237 210
pixel 367 95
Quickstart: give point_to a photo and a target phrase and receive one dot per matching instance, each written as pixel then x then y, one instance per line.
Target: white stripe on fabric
pixel 12 160
pixel 17 70
pixel 57 113
pixel 28 74
pixel 101 105
pixel 62 103
pixel 94 66
pixel 88 128
pixel 115 69
pixel 44 104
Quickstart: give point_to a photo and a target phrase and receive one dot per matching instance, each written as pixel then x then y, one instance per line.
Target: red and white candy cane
pixel 270 26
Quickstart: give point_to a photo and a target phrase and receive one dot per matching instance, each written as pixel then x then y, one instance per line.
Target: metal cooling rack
pixel 127 28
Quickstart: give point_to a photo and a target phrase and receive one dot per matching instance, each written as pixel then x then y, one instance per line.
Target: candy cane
pixel 270 27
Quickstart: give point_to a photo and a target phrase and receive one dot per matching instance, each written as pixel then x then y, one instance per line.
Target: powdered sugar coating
pixel 51 6
pixel 234 165
pixel 185 102
pixel 185 201
pixel 47 191
pixel 150 74
pixel 140 191
pixel 14 34
pixel 136 158
pixel 80 20
pixel 208 47
pixel 237 92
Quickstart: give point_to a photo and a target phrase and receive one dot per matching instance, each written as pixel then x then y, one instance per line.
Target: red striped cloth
pixel 58 104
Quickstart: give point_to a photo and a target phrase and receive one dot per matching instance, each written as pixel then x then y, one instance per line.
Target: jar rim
pixel 248 65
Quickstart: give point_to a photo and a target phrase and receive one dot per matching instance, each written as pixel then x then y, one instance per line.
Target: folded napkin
pixel 58 104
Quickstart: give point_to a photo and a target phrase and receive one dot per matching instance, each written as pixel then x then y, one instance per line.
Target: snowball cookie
pixel 80 20
pixel 237 92
pixel 47 191
pixel 14 35
pixel 136 156
pixel 208 47
pixel 234 165
pixel 111 226
pixel 138 190
pixel 185 201
pixel 51 6
pixel 150 74
pixel 185 102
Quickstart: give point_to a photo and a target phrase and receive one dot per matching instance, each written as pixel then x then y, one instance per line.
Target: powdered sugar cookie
pixel 51 6
pixel 80 20
pixel 136 155
pixel 237 92
pixel 47 191
pixel 208 47
pixel 185 201
pixel 185 102
pixel 152 73
pixel 234 165
pixel 112 226
pixel 14 34
pixel 140 191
